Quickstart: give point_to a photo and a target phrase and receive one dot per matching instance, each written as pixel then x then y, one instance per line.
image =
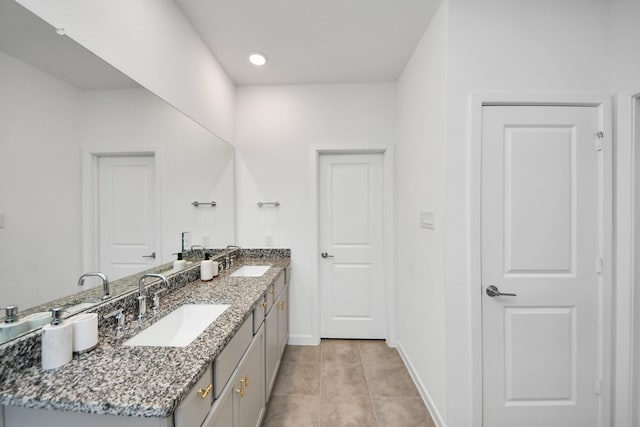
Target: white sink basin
pixel 251 271
pixel 180 327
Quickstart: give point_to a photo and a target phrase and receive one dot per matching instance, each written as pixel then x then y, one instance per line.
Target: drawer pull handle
pixel 281 305
pixel 245 381
pixel 240 391
pixel 263 304
pixel 204 392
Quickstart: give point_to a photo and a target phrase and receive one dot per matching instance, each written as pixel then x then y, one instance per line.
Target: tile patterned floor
pixel 345 383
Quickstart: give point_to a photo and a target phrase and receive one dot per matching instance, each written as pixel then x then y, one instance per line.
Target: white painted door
pixel 542 239
pixel 351 244
pixel 127 215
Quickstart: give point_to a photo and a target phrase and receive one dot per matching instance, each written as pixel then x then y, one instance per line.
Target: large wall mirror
pixel 96 172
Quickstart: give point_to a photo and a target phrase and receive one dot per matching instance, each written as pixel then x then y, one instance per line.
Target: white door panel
pixel 541 239
pixel 126 215
pixel 351 230
pixel 539 199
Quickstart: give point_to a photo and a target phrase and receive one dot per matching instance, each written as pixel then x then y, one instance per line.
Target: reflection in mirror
pixel 96 173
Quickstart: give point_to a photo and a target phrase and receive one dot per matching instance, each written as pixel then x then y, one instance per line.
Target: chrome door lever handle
pixel 493 291
pixel 326 255
pixel 153 255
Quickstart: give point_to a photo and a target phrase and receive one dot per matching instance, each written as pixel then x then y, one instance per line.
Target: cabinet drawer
pixel 194 408
pixel 259 313
pixel 279 283
pixel 283 320
pixel 226 362
pixel 270 296
pixel 274 290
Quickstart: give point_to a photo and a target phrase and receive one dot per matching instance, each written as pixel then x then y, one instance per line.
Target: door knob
pixel 326 255
pixel 493 291
pixel 153 255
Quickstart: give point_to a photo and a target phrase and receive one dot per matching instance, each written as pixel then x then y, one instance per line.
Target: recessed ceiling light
pixel 257 59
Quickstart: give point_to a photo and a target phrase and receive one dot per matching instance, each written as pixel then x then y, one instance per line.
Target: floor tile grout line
pixel 320 392
pixel 366 379
pixel 323 366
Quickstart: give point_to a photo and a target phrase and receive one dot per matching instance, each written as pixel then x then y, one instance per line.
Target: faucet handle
pixel 11 313
pixel 119 316
pixel 156 299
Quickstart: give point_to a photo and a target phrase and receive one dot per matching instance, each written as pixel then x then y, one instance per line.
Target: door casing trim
pixel 476 102
pixel 90 218
pixel 388 237
pixel 627 302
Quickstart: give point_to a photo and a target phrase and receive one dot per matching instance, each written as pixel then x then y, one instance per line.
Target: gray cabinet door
pixel 272 353
pixel 251 378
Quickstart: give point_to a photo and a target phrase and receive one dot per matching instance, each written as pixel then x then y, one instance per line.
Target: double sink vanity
pixel 207 356
pixel 205 340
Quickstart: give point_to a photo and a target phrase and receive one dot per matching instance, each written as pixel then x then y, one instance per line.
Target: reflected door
pixel 351 246
pixel 127 217
pixel 541 240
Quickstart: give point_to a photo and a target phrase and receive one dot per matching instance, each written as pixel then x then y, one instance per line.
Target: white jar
pixel 57 342
pixel 208 269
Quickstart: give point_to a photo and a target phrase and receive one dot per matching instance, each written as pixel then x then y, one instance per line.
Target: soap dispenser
pixel 208 268
pixel 179 264
pixel 57 341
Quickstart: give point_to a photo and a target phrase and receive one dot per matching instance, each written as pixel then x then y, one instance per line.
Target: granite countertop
pixel 144 381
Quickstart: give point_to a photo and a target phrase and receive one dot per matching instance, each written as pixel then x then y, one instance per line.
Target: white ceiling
pixel 30 39
pixel 311 41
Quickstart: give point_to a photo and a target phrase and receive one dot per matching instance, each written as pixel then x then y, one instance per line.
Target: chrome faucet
pixel 142 299
pixel 11 314
pixel 228 259
pixel 119 316
pixel 200 248
pixel 105 283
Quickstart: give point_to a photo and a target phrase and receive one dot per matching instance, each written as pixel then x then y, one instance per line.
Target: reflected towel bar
pixel 261 204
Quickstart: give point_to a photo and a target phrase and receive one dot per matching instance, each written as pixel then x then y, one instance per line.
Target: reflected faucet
pixel 105 283
pixel 11 314
pixel 229 260
pixel 200 248
pixel 142 299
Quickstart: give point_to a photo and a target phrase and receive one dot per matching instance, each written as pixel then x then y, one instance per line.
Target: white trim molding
pixel 90 218
pixel 389 221
pixel 302 339
pixel 627 328
pixel 474 358
pixel 436 416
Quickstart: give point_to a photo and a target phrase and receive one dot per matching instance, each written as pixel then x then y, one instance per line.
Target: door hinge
pixel 599 141
pixel 599 265
pixel 598 385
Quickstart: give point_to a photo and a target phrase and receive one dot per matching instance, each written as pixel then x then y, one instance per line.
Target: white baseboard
pixel 302 340
pixel 435 415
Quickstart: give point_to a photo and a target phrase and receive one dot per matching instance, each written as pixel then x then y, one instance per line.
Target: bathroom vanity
pixel 222 378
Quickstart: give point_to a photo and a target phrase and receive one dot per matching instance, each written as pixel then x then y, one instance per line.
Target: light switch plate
pixel 427 220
